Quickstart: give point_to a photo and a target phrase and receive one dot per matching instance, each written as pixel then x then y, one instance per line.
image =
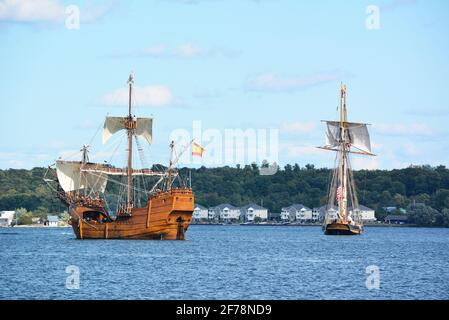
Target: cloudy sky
pixel 231 64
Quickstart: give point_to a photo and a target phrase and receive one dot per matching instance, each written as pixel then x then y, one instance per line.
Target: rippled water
pixel 227 262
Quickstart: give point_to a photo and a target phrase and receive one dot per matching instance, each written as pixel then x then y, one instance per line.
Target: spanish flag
pixel 197 150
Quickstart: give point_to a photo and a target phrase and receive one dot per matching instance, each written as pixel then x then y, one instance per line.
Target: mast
pixel 130 127
pixel 172 145
pixel 342 203
pixel 85 160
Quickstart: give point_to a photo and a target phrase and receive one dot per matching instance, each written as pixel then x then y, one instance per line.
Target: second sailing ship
pixel 344 138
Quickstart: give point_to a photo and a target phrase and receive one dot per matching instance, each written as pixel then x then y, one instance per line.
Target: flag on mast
pixel 197 150
pixel 339 192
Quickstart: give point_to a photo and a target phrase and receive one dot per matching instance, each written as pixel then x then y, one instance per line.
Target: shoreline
pixel 306 225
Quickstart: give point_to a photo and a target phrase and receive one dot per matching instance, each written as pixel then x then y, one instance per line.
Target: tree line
pixel 423 190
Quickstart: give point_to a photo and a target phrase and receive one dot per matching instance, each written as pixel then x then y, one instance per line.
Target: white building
pixel 6 218
pixel 200 213
pixel 297 212
pixel 52 221
pixel 224 212
pixel 367 214
pixel 251 211
pixel 320 213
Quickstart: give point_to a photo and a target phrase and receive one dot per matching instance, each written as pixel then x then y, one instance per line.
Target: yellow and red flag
pixel 197 150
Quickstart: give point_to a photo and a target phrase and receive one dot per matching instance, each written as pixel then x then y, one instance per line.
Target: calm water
pixel 227 262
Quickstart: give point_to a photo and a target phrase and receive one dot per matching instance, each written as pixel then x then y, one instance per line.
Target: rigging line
pixel 119 183
pixel 70 156
pixel 96 132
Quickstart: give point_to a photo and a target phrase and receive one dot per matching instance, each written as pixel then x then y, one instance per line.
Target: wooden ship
pixel 344 138
pixel 167 209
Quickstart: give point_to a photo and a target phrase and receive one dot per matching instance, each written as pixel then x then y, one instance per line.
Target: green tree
pixel 22 216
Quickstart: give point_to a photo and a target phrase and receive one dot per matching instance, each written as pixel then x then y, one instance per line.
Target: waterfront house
pixel 396 219
pixel 297 212
pixel 200 213
pixel 393 210
pixel 6 218
pixel 274 216
pixel 367 214
pixel 251 211
pixel 52 221
pixel 224 212
pixel 320 213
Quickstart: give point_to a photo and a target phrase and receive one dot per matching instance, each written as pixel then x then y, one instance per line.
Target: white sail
pixel 356 134
pixel 144 127
pixel 71 178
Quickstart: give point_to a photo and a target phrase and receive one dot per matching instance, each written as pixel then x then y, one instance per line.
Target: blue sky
pixel 260 64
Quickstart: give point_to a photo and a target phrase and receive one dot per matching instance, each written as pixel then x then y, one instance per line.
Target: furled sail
pixel 356 134
pixel 71 177
pixel 144 127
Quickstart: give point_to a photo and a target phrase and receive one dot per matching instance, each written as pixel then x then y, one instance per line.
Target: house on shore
pixel 200 213
pixel 249 212
pixel 274 216
pixel 52 221
pixel 224 212
pixel 367 214
pixel 320 213
pixel 6 218
pixel 396 219
pixel 297 212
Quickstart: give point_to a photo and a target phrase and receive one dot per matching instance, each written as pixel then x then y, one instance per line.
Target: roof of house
pixel 7 214
pixel 252 205
pixel 52 218
pixel 295 207
pixel 365 208
pixel 275 214
pixel 200 206
pixel 222 206
pixel 396 217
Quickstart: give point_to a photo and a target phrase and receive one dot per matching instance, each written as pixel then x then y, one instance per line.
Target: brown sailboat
pixel 167 209
pixel 344 138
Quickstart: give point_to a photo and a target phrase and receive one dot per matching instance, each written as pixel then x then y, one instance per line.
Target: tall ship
pixel 132 209
pixel 342 216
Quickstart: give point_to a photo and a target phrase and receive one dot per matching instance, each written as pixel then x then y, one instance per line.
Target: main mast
pixel 130 126
pixel 342 201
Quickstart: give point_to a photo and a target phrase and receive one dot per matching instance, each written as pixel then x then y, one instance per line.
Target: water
pixel 227 262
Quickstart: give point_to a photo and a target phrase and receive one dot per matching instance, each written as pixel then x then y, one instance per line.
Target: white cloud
pixel 399 129
pixel 188 50
pixel 270 82
pixel 298 151
pixel 410 148
pixel 36 11
pixel 146 96
pixel 31 11
pixel 183 51
pixel 298 127
pixel 368 163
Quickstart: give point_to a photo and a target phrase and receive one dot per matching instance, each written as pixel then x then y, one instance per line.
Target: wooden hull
pixel 166 216
pixel 339 228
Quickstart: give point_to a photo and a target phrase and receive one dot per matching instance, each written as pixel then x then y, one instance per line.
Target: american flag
pixel 339 192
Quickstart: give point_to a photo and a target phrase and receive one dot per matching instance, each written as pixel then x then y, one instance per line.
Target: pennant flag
pixel 197 150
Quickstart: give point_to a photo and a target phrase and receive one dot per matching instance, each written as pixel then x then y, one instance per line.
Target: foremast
pixel 342 192
pixel 130 125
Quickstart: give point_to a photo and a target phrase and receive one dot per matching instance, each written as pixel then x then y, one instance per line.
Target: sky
pixel 267 66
